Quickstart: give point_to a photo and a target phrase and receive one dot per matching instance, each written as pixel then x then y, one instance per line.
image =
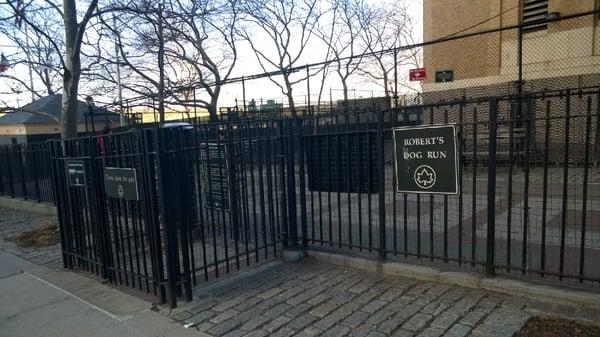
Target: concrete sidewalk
pixel 37 301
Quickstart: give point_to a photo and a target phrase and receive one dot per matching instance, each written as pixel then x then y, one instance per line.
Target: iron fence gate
pixel 208 201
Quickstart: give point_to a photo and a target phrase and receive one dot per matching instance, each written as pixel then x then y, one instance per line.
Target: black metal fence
pixel 215 198
pixel 529 188
pixel 25 172
pixel 209 201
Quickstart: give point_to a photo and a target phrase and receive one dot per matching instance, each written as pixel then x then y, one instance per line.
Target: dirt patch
pixel 557 327
pixel 42 236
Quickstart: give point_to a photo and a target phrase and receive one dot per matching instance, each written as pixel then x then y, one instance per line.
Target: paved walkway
pixel 13 222
pixel 313 299
pixel 276 299
pixel 38 301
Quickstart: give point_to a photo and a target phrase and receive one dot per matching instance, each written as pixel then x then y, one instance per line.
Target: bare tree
pixel 203 43
pixel 34 51
pixel 384 28
pixel 341 37
pixel 139 35
pixel 288 26
pixel 71 62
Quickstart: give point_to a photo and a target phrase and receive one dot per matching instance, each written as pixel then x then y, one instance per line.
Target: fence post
pixel 33 155
pixel 301 172
pixel 291 183
pixel 491 199
pixel 165 218
pixel 381 183
pixel 2 149
pixel 11 182
pixel 21 152
pixel 58 194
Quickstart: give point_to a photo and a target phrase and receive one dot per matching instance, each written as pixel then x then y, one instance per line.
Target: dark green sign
pixel 76 173
pixel 426 159
pixel 121 183
pixel 444 76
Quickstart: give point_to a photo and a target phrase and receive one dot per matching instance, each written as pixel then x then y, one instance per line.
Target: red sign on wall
pixel 418 74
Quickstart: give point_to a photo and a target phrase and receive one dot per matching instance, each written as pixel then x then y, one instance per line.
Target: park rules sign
pixel 426 159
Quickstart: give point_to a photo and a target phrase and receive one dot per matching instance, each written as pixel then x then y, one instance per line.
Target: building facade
pixel 556 55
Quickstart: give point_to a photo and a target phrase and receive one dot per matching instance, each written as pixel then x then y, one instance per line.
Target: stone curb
pixel 539 292
pixel 28 206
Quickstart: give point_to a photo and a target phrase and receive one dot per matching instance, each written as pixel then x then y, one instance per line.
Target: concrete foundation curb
pixel 28 206
pixel 292 255
pixel 539 292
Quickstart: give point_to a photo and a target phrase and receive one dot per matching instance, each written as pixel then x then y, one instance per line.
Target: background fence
pixel 25 172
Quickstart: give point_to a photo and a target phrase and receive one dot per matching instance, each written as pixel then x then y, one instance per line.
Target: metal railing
pixel 25 172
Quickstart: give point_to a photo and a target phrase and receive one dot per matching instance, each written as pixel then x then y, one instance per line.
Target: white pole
pixel 29 63
pixel 119 87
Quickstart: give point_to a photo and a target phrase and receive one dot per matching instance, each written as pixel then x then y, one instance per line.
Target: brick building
pixel 565 51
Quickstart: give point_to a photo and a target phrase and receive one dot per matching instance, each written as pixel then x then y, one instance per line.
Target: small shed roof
pixel 40 111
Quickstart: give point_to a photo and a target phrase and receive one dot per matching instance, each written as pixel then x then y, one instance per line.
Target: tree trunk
pixel 214 101
pixel 72 70
pixel 345 88
pixel 161 69
pixel 290 96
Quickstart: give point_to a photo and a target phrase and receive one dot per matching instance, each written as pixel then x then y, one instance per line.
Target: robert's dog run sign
pixel 426 159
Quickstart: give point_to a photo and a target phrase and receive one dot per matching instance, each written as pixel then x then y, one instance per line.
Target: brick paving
pixel 13 222
pixel 314 299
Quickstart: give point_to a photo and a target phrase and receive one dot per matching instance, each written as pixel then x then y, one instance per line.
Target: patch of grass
pixel 557 327
pixel 42 236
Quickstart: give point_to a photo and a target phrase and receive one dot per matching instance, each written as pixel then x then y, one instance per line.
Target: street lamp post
pixel 89 101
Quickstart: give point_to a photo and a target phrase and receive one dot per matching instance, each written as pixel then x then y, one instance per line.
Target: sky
pixel 247 65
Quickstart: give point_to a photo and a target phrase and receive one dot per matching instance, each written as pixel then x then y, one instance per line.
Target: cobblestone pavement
pixel 313 299
pixel 13 222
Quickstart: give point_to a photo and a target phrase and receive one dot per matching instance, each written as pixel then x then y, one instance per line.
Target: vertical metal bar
pixel 370 189
pixel 234 216
pixel 446 209
pixel 528 119
pixel 474 192
pixel 349 177
pixel 460 182
pixel 261 190
pixel 184 221
pixel 22 171
pixel 431 206
pixel 586 165
pixel 510 186
pixel 545 189
pixel 338 173
pixel 291 181
pixel 152 218
pixel 162 160
pixel 328 159
pixel 359 165
pixel 271 184
pixel 301 162
pixel 2 174
pixel 241 149
pixel 565 190
pixel 36 176
pixel 282 175
pixel 201 202
pixel 251 142
pixel 491 198
pixel 381 184
pixel 9 150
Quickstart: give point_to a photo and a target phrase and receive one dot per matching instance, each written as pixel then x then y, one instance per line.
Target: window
pixel 534 14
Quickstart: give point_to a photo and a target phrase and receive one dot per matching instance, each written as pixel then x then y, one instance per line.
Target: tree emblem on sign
pixel 425 176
